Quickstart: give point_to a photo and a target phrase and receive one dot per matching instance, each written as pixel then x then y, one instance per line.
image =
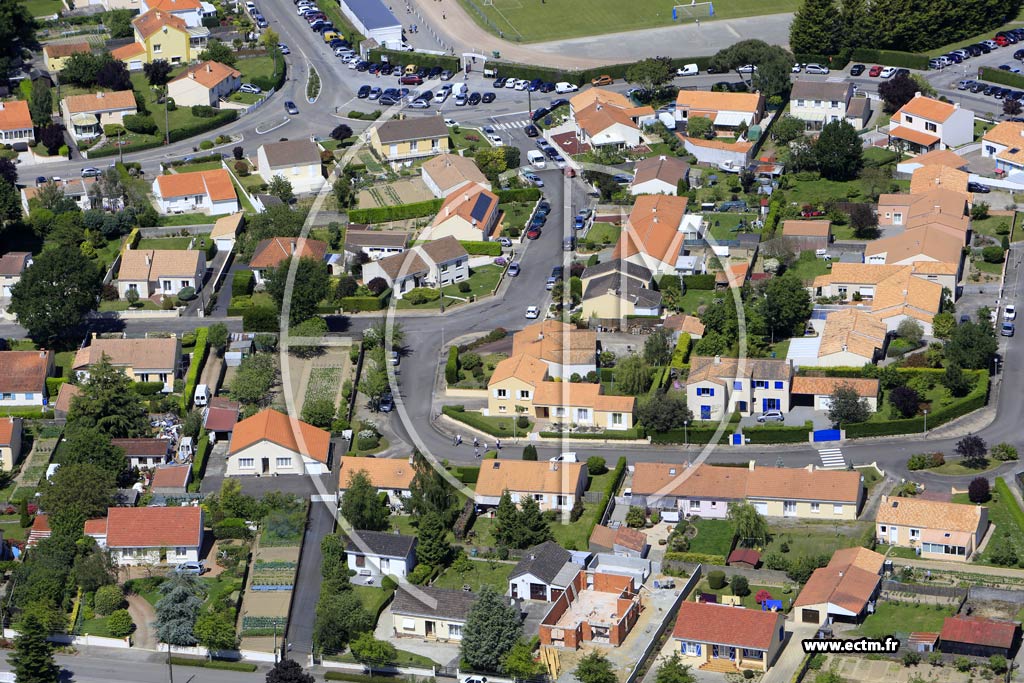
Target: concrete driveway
pixel 794 418
pixel 442 653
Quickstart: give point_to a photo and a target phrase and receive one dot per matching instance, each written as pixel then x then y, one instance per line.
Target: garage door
pixel 824 402
pixel 762 508
pixel 810 616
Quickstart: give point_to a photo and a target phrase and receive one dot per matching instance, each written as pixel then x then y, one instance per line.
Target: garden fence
pixel 952 592
pixel 654 644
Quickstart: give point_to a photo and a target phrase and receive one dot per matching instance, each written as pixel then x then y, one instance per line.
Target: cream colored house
pixel 271 443
pixel 564 348
pixel 85 115
pixel 469 215
pixel 10 442
pixel 430 613
pixel 297 161
pixel 161 34
pixel 149 535
pixel 449 173
pixel 850 338
pixel 890 293
pixel 727 110
pixel 512 385
pixel 154 359
pixel 1003 142
pixel 937 530
pixel 23 377
pixel 750 386
pixel 206 83
pixel 617 289
pixel 553 485
pixel 728 639
pixel 602 117
pixel 402 140
pixel 160 271
pixel 819 102
pixel 57 54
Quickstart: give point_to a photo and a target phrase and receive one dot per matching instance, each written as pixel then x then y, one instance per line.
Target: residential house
pixel 297 161
pixel 939 157
pixel 513 384
pixel 604 117
pixel 600 608
pixel 808 235
pixel 850 338
pixel 225 231
pixel 655 232
pixel 376 244
pixel 580 403
pixel 85 115
pixel 727 639
pixel 431 613
pixel 727 110
pixel 843 590
pixel 470 215
pixel 144 453
pixel 374 554
pixel 939 204
pixel 564 348
pixel 402 140
pixel 1003 142
pixel 16 123
pixel 271 443
pixel 65 396
pixel 707 490
pixel 171 480
pixel 731 156
pixel 680 324
pixel 446 174
pixel 819 102
pixel 403 272
pixel 439 262
pixel 149 272
pixel 10 442
pixel 553 485
pixel 142 360
pixel 543 574
pixel 55 55
pixel 935 529
pixel 622 542
pixel 270 253
pixel 75 189
pixel 617 289
pixel 659 175
pixel 163 35
pixel 210 192
pixel 23 377
pixel 979 636
pixel 12 265
pixel 891 293
pixel 924 124
pixel 150 535
pixel 206 83
pixel 939 177
pixel 858 112
pixel 220 417
pixel 747 386
pixel 934 242
pixel 392 476
pixel 189 11
pixel 446 259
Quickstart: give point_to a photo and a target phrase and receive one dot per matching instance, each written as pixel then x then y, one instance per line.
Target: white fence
pixel 87 640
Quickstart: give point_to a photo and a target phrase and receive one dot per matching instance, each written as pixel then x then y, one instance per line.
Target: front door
pixel 770 404
pixel 266 465
pixel 741 406
pixel 894 535
pixel 429 628
pixel 705 412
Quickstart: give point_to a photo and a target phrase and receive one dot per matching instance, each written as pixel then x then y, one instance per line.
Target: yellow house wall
pixel 458 227
pixel 607 306
pixel 803 510
pixel 441 628
pixel 514 386
pixel 173 43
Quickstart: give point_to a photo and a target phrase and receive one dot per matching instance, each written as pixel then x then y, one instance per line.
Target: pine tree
pixel 429 492
pixel 177 610
pixel 533 529
pixel 433 547
pixel 506 522
pixel 288 671
pixel 32 659
pixel 492 629
pixel 109 404
pixel 815 29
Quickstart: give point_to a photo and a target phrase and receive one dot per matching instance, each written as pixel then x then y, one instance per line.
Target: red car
pixel 1001 41
pixel 533 233
pixel 811 212
pixel 875 70
pixel 411 79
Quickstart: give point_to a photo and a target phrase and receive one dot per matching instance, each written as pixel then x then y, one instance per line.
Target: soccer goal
pixel 693 11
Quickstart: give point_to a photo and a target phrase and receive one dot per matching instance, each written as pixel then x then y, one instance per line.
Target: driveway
pixel 443 653
pixel 143 615
pixel 794 418
pixel 307 583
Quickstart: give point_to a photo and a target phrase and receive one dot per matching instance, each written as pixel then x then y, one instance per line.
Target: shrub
pixel 577 511
pixel 203 111
pixel 997 663
pixel 1001 451
pixel 636 517
pixel 171 104
pixel 924 461
pixel 596 465
pixel 992 254
pixel 465 287
pixel 962 664
pixel 420 574
pixel 911 659
pixel 120 624
pixel 237 152
pixel 716 579
pixel 739 586
pixel 108 599
pixel 139 123
pixel 451 368
pixel 187 293
pixel 978 490
pixel 232 527
pixel 206 144
pixel 388 584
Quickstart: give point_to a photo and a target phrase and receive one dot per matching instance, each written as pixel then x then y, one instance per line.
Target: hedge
pixel 194 368
pixel 203 125
pixel 242 282
pixel 467 475
pixel 702 282
pixel 259 319
pixel 203 448
pixel 482 248
pixel 696 435
pixel 213 664
pixel 778 434
pixel 428 61
pixel 274 82
pixel 698 558
pixel 987 73
pixel 383 214
pixel 358 678
pixel 451 368
pixel 622 435
pixel 147 388
pixel 529 72
pixel 232 527
pixel 525 194
pixel 133 147
pixel 479 422
pixel 613 484
pixel 354 304
pixel 53 386
pixel 681 354
pixel 909 60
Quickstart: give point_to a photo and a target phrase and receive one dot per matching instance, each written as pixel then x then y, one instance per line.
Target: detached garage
pixel 819 390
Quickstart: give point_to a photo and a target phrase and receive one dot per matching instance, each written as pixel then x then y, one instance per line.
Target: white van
pixel 563 87
pixel 688 70
pixel 202 396
pixel 537 159
pixel 460 89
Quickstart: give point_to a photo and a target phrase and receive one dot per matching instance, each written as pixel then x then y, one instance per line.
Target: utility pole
pixel 170 667
pixel 167 132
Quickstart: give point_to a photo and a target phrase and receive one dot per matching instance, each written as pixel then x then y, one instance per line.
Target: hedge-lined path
pixel 144 615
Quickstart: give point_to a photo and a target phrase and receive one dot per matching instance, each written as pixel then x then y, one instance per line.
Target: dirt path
pixel 143 615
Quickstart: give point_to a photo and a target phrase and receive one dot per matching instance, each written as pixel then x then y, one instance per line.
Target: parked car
pixel 746 69
pixel 1007 330
pixel 460 100
pixel 547 87
pixel 196 568
pixel 539 113
pixel 386 404
pixel 411 79
pixel 811 212
pixel 604 79
pixel 488 97
pixel 888 72
pixel 857 69
pixel 435 72
pixel 532 312
pixel 771 416
pixel 474 99
pixel 419 104
pixel 1010 312
pixel 513 270
pixel 563 88
pixel 531 131
pixel 250 88
pixel 284 49
pixel 875 71
pixel 965 84
pixel 364 92
pixel 388 100
pixel 816 69
pixel 90 172
pixel 533 233
pixel 447 74
pixel 979 188
pixel 534 178
pixel 534 85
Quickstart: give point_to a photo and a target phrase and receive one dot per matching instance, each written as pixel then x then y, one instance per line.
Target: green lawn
pixel 97 626
pixel 502 427
pixel 256 67
pixel 986 267
pixel 809 266
pixel 373 599
pixel 819 191
pixel 43 8
pixel 1001 514
pixel 461 137
pixel 809 538
pixel 779 348
pixel 527 22
pixel 871 477
pixel 481 281
pixel 604 233
pixel 697 297
pixel 484 573
pixel 403 658
pixel 992 226
pixel 123 305
pixel 879 155
pixel 714 537
pixel 724 225
pixel 936 396
pixel 955 469
pixel 245 97
pixel 895 617
pixel 11 527
pixel 199 166
pixel 257 300
pixel 748 600
pixel 516 214
pixel 179 243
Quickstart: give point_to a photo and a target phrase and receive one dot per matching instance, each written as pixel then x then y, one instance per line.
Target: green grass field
pixel 530 21
pixel 43 8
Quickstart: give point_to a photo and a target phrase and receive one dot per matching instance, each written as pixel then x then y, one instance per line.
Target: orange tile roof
pixel 14 115
pixel 100 102
pixel 602 536
pixel 726 483
pixel 633 539
pixel 582 395
pixel 597 118
pixel 826 386
pixel 58 50
pixel 174 5
pixel 782 483
pixel 64 397
pixel 271 252
pixel 931 177
pixel 585 98
pixel 942 157
pixel 848 581
pixel 155 527
pixel 208 74
pixel 934 268
pixel 798 228
pixel 497 476
pixel 126 52
pixel 171 476
pixel 464 202
pixel 217 184
pixel 702 622
pixel 738 483
pixel 707 101
pixel 283 430
pixel 384 473
pixel 860 273
pixel 7 426
pixel 929 514
pixel 24 371
pixel 904 293
pixel 154 20
pixel 926 108
pixel 936 242
pixel 652 228
pixel 96 527
pixel 742 147
pixel 1008 133
pixel 857 331
pixel 708 368
pixel 918 137
pixel 523 367
pixel 556 342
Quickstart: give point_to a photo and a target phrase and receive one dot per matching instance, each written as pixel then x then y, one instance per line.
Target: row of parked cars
pixel 1001 39
pixel 989 90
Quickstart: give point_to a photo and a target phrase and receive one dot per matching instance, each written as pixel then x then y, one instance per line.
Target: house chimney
pixel 718 360
pixel 99 95
pixel 209 69
pixel 192 75
pixel 410 460
pixel 293 244
pixel 149 259
pixel 554 467
pixel 844 347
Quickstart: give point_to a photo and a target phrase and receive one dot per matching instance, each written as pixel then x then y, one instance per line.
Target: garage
pixel 810 616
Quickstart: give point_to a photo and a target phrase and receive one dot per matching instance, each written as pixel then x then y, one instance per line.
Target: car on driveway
pixel 532 312
pixel 387 403
pixel 290 107
pixel 534 178
pixel 250 88
pixel 196 568
pixel 857 69
pixel 771 416
pixel 979 188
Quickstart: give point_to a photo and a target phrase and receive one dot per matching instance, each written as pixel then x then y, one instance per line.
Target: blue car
pixel 534 178
pixel 577 223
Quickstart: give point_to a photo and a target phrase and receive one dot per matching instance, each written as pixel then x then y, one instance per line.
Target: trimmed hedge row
pixel 992 75
pixel 703 282
pixel 354 304
pixel 53 386
pixel 681 354
pixel 482 248
pixel 523 194
pixel 451 367
pixel 242 282
pixel 203 125
pixel 194 368
pixel 478 421
pixel 773 434
pixel 383 214
pixel 134 147
pixel 910 60
pixel 698 558
pixel 623 435
pixel 695 435
pixel 357 678
pixel 203 448
pixel 259 319
pixel 428 61
pixel 213 664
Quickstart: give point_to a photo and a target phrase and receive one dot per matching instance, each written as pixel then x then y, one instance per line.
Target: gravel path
pixel 143 615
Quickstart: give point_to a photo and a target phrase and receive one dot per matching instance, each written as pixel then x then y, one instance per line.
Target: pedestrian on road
pixel 497 444
pixel 455 441
pixel 476 452
pixel 459 437
pixel 476 442
pixel 485 445
pixel 444 17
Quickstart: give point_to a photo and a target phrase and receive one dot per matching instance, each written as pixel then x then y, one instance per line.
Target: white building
pixel 819 102
pixel 924 125
pixel 150 535
pixel 374 20
pixel 272 443
pixel 23 377
pixel 210 192
pixel 373 554
pixel 297 161
pixel 204 84
pixel 189 11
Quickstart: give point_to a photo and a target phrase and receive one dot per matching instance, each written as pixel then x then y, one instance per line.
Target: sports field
pixel 539 20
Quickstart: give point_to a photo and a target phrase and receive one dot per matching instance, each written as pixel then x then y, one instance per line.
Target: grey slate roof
pixel 401 130
pixel 543 561
pixel 357 239
pixel 292 153
pixel 373 13
pixel 381 544
pixel 828 91
pixel 634 270
pixel 450 604
pixel 634 291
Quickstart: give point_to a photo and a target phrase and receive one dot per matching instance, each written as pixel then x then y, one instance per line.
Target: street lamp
pixel 925 420
pixel 686 433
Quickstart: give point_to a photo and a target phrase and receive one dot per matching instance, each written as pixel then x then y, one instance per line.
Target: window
pixel 841 292
pixel 837 509
pixel 815 508
pixel 539 497
pixel 695 505
pixel 705 391
pixel 284 462
pixel 737 385
pixel 409 624
pixel 502 409
pixel 559 411
pixel 692 649
pixel 908 119
pixel 944 549
pixel 714 504
pixel 168 286
pixel 524 394
pixel 582 414
pixel 455 630
pixel 501 393
pixel 133 286
pixel 931 127
pixel 897 218
pixel 562 501
pixel 753 654
pixel 246 463
pixel 817 103
pixel 881 529
pixel 157 47
pixel 760 384
pixel 181 552
pixel 8 397
pixel 394 150
pixel 30 396
pixel 915 534
pixel 788 508
pixel 616 419
pixel 184 284
pixel 778 385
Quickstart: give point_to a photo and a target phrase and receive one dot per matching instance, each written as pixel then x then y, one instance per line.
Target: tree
pixel 1011 107
pixel 650 73
pixel 636 517
pixel 281 188
pixel 178 609
pixel 217 337
pixel 215 631
pixel 52 138
pixel 896 92
pixel 288 671
pixel 533 528
pixel 594 667
pixel 40 106
pixel 347 286
pixel 369 651
pixel 846 406
pixel 90 445
pixel 787 129
pixel 664 412
pixel 311 285
pixel 863 221
pixel 972 450
pixel 672 670
pixel 978 490
pixel 786 305
pixel 773 64
pixel 10 204
pixel 491 161
pixel 120 624
pixel 254 378
pixel 216 51
pixel 108 403
pixel 342 189
pixel 700 127
pixel 596 466
pixel 519 662
pixel 360 505
pixel 1004 452
pixel 905 400
pixel 433 547
pixel 318 412
pixel 506 521
pixel 32 659
pixel 341 132
pixel 633 375
pixel 492 629
pixel 751 528
pixel 739 585
pixel 816 29
pixel 114 76
pixel 657 350
pixel 339 618
pixel 530 452
pixel 375 382
pixel 312 330
pixel 943 324
pixel 910 330
pixel 17 33
pixel 94 568
pixel 158 72
pixel 53 296
pixel 429 491
pixel 971 345
pixel 76 493
pixel 838 151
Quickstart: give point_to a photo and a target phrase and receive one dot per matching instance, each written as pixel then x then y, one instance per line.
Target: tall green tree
pixel 371 652
pixel 361 506
pixel 75 493
pixel 17 33
pixel 433 547
pixel 956 381
pixel 664 412
pixel 492 629
pixel 838 151
pixel 288 671
pixel 632 375
pixel 90 445
pixel 533 528
pixel 506 522
pixel 158 72
pixel 657 350
pixel 32 659
pixel 53 296
pixel 972 345
pixel 40 105
pixel 786 305
pixel 216 631
pixel 519 662
pixel 846 406
pixel 108 404
pixel 816 29
pixel 217 51
pixel 751 528
pixel 896 92
pixel 281 188
pixel 651 72
pixel 340 617
pixel 311 285
pixel 430 492
pixel 594 667
pixel 178 609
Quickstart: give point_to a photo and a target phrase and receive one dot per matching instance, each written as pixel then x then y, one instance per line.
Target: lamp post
pixel 686 433
pixel 925 420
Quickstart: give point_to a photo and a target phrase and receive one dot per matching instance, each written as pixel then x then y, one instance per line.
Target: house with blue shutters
pixel 746 386
pixel 725 639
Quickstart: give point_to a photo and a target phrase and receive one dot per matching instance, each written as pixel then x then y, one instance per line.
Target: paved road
pixel 307 584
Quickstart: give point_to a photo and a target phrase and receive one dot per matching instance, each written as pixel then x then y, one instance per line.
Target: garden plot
pixel 323 384
pixel 265 604
pixel 407 191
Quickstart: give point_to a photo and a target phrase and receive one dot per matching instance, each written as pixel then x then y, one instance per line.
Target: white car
pixel 496 140
pixel 991 44
pixel 746 69
pixel 451 122
pixel 797 68
pixel 563 87
pixel 887 72
pixel 686 70
pixel 511 83
pixel 816 69
pixel 533 312
pixel 1010 312
pixel 522 84
pixel 441 95
pixel 307 8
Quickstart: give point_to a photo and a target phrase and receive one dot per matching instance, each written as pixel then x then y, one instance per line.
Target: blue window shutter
pixel 698 649
pixel 711 392
pixel 778 385
pixel 737 385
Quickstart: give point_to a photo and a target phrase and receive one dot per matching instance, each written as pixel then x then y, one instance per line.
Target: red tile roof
pixel 631 539
pixel 723 625
pixel 978 631
pixel 24 371
pixel 7 428
pixel 271 252
pixel 171 476
pixel 154 527
pixel 220 419
pixel 142 446
pixel 745 555
pixel 283 430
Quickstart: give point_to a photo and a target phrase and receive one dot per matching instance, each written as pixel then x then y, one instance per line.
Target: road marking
pixel 832 458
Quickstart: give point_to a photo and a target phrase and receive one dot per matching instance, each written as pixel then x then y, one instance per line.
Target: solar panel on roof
pixel 483 202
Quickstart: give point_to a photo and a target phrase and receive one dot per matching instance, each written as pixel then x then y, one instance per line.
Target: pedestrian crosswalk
pixel 832 458
pixel 510 125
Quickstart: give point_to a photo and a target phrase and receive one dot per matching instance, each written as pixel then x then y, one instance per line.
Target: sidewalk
pixel 790 658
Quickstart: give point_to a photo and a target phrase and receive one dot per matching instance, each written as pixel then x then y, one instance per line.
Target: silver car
pixel 771 416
